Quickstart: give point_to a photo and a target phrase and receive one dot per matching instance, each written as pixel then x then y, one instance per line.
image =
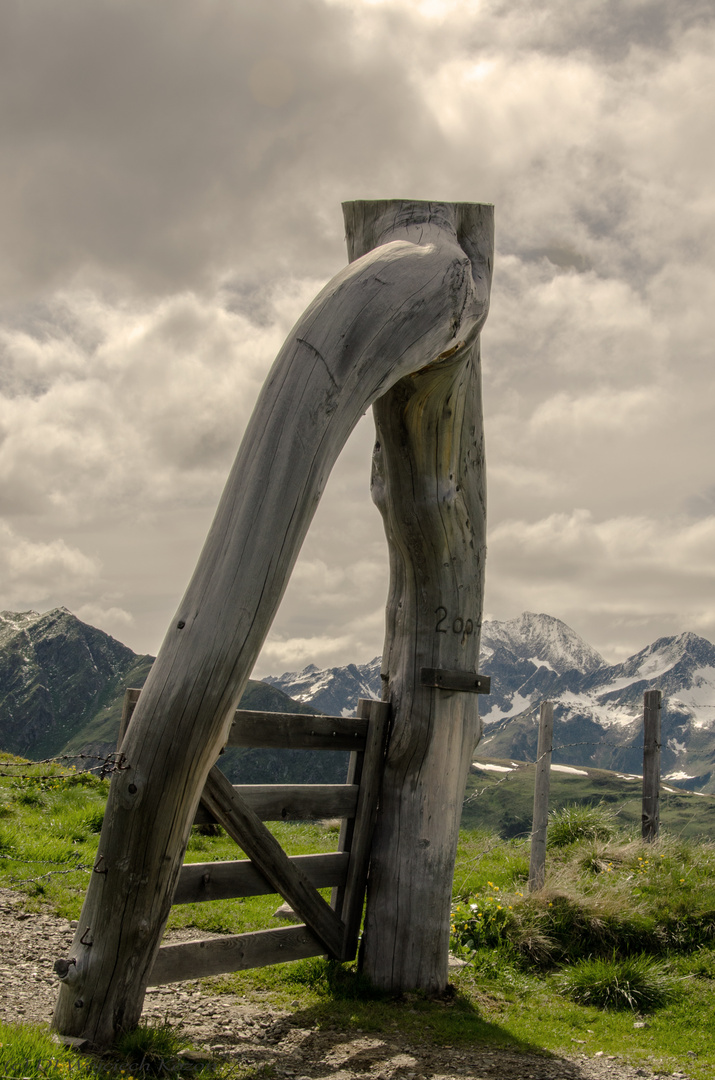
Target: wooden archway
pixel 398 327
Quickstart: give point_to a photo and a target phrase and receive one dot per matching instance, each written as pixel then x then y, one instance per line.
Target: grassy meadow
pixel 615 955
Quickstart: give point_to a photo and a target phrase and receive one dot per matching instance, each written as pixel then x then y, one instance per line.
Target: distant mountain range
pixel 62 683
pixel 597 706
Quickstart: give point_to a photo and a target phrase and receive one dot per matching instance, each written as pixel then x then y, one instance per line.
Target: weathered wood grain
pixel 292 731
pixel 347 826
pixel 650 817
pixel 245 827
pixel 233 952
pixel 542 784
pixel 131 697
pixel 429 485
pixel 225 880
pixel 413 304
pixel 364 823
pixel 292 802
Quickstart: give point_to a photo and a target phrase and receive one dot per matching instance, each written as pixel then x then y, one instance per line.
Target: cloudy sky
pixel 170 192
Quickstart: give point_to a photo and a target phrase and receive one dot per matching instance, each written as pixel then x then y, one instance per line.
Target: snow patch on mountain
pixel 334 691
pixel 598 707
pixel 541 640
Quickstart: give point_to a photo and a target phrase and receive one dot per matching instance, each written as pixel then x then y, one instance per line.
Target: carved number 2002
pixel 459 625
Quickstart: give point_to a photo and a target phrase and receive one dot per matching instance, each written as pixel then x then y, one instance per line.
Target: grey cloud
pixel 606 29
pixel 177 168
pixel 142 145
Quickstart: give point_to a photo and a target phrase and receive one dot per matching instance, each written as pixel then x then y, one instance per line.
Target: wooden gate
pixel 397 329
pixel 242 809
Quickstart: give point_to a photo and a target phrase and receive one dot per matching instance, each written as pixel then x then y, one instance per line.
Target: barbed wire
pixel 58 757
pixel 520 766
pixel 81 868
pixel 110 763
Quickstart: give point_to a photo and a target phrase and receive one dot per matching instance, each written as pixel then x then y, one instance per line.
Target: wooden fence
pixel 650 816
pixel 242 809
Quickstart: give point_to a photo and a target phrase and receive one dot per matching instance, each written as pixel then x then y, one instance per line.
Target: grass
pixel 30 1052
pixel 613 911
pixel 640 983
pixel 578 821
pixel 50 821
pixel 502 802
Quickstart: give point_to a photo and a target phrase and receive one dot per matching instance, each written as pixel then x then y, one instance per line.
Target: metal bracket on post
pixel 466 681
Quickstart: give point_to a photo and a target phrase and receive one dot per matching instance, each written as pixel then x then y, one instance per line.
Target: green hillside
pixel 242 765
pixel 502 801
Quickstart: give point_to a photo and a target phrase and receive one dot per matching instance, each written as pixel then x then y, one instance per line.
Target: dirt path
pixel 254 1034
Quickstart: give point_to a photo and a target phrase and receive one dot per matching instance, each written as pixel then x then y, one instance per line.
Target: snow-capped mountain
pixel 516 653
pixel 334 691
pixel 543 640
pixel 598 715
pixel 598 707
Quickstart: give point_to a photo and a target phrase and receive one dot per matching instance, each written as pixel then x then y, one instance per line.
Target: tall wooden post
pixel 542 781
pixel 411 303
pixel 428 483
pixel 650 819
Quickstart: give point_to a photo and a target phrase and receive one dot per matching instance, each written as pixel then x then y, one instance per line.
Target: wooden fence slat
pixel 378 713
pixel 542 780
pixel 293 731
pixel 131 696
pixel 227 880
pixel 347 827
pixel 245 827
pixel 650 818
pixel 286 802
pixel 233 952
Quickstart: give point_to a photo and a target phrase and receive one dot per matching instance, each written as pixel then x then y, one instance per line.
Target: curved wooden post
pixel 410 303
pixel 428 482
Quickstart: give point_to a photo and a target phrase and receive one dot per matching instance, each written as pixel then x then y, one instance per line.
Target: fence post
pixel 537 864
pixel 650 819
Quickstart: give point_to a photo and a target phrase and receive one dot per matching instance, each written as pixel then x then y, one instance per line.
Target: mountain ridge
pixel 62 686
pixel 597 705
pixel 62 683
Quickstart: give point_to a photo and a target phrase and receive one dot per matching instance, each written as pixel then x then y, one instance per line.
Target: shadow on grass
pixel 347 1024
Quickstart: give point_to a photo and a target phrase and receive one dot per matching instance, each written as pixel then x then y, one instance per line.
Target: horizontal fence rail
pixel 293 802
pixel 293 731
pixel 228 880
pixel 233 952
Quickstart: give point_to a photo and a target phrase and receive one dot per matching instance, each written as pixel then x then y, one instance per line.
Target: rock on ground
pixel 246 1033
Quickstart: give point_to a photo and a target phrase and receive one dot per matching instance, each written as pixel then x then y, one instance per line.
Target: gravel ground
pixel 253 1034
